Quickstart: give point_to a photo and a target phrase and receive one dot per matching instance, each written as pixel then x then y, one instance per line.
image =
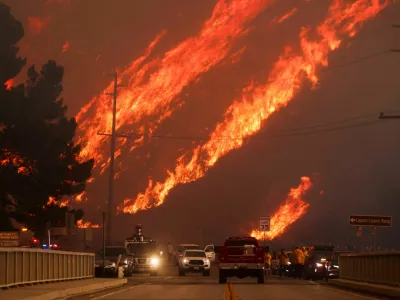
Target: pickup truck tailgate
pixel 241 253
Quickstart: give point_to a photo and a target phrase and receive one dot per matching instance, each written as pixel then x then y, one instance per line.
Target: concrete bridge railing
pixel 30 265
pixel 372 267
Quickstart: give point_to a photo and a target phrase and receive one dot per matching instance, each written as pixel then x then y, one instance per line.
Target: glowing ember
pixel 51 201
pixel 8 158
pixel 81 197
pixel 65 47
pixel 64 203
pixel 153 87
pixel 245 118
pixel 9 84
pixel 87 224
pixel 293 209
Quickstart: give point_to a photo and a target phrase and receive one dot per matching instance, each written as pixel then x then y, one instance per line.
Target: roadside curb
pixel 68 292
pixel 358 286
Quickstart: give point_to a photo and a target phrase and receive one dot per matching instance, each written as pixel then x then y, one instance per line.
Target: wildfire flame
pixel 9 84
pixel 8 158
pixel 87 224
pixel 245 118
pixel 293 209
pixel 153 87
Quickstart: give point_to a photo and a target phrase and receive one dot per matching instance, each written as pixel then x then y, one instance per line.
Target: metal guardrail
pixel 371 267
pixel 30 265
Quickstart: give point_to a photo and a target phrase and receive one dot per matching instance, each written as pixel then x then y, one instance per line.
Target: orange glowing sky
pixel 162 66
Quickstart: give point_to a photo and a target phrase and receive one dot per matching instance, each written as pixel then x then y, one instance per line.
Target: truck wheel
pixel 222 277
pixel 260 277
pixel 181 272
pixel 154 273
pixel 206 273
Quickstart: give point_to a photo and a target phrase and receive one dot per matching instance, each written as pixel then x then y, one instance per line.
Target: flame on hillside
pixel 246 116
pixel 153 86
pixel 87 224
pixel 288 213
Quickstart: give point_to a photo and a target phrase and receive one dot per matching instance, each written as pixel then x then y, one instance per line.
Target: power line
pixel 306 130
pixel 337 128
pixel 340 121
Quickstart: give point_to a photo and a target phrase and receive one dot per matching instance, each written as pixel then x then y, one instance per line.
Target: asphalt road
pixel 168 285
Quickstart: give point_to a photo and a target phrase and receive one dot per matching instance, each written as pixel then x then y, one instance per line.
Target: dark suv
pixel 315 264
pixel 333 264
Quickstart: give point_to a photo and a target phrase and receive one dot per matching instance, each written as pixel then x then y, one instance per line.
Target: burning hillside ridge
pixel 288 213
pixel 246 116
pixel 153 87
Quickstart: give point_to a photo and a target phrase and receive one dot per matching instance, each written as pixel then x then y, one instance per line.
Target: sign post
pixel 359 231
pixel 370 220
pixel 374 238
pixel 375 221
pixel 265 225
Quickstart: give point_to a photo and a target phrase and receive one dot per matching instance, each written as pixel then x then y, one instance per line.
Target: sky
pixel 357 168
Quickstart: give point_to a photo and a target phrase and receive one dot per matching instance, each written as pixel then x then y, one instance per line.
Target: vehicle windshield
pixel 194 247
pixel 142 248
pixel 240 243
pixel 194 254
pixel 115 251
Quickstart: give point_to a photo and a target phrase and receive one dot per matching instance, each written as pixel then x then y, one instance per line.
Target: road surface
pixel 168 285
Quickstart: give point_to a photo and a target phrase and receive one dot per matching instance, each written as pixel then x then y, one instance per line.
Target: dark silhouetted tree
pixel 38 156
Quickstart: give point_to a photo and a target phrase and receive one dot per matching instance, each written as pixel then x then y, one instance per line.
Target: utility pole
pixel 110 208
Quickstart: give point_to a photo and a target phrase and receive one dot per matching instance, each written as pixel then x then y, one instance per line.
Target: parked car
pixel 181 248
pixel 112 254
pixel 315 265
pixel 333 264
pixel 194 261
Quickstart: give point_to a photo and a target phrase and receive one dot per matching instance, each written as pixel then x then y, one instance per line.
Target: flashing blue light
pixel 44 245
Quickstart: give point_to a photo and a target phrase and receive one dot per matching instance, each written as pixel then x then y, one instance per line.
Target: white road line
pixel 109 294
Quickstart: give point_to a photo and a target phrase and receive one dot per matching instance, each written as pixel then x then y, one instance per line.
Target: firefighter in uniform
pixel 267 260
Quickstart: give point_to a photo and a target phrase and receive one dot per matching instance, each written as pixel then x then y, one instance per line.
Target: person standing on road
pixel 267 261
pixel 297 258
pixel 283 262
pixel 170 251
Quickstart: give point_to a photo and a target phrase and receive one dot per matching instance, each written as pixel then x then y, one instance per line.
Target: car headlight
pixel 289 263
pixel 113 264
pixel 185 261
pixel 336 266
pixel 319 265
pixel 323 259
pixel 155 261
